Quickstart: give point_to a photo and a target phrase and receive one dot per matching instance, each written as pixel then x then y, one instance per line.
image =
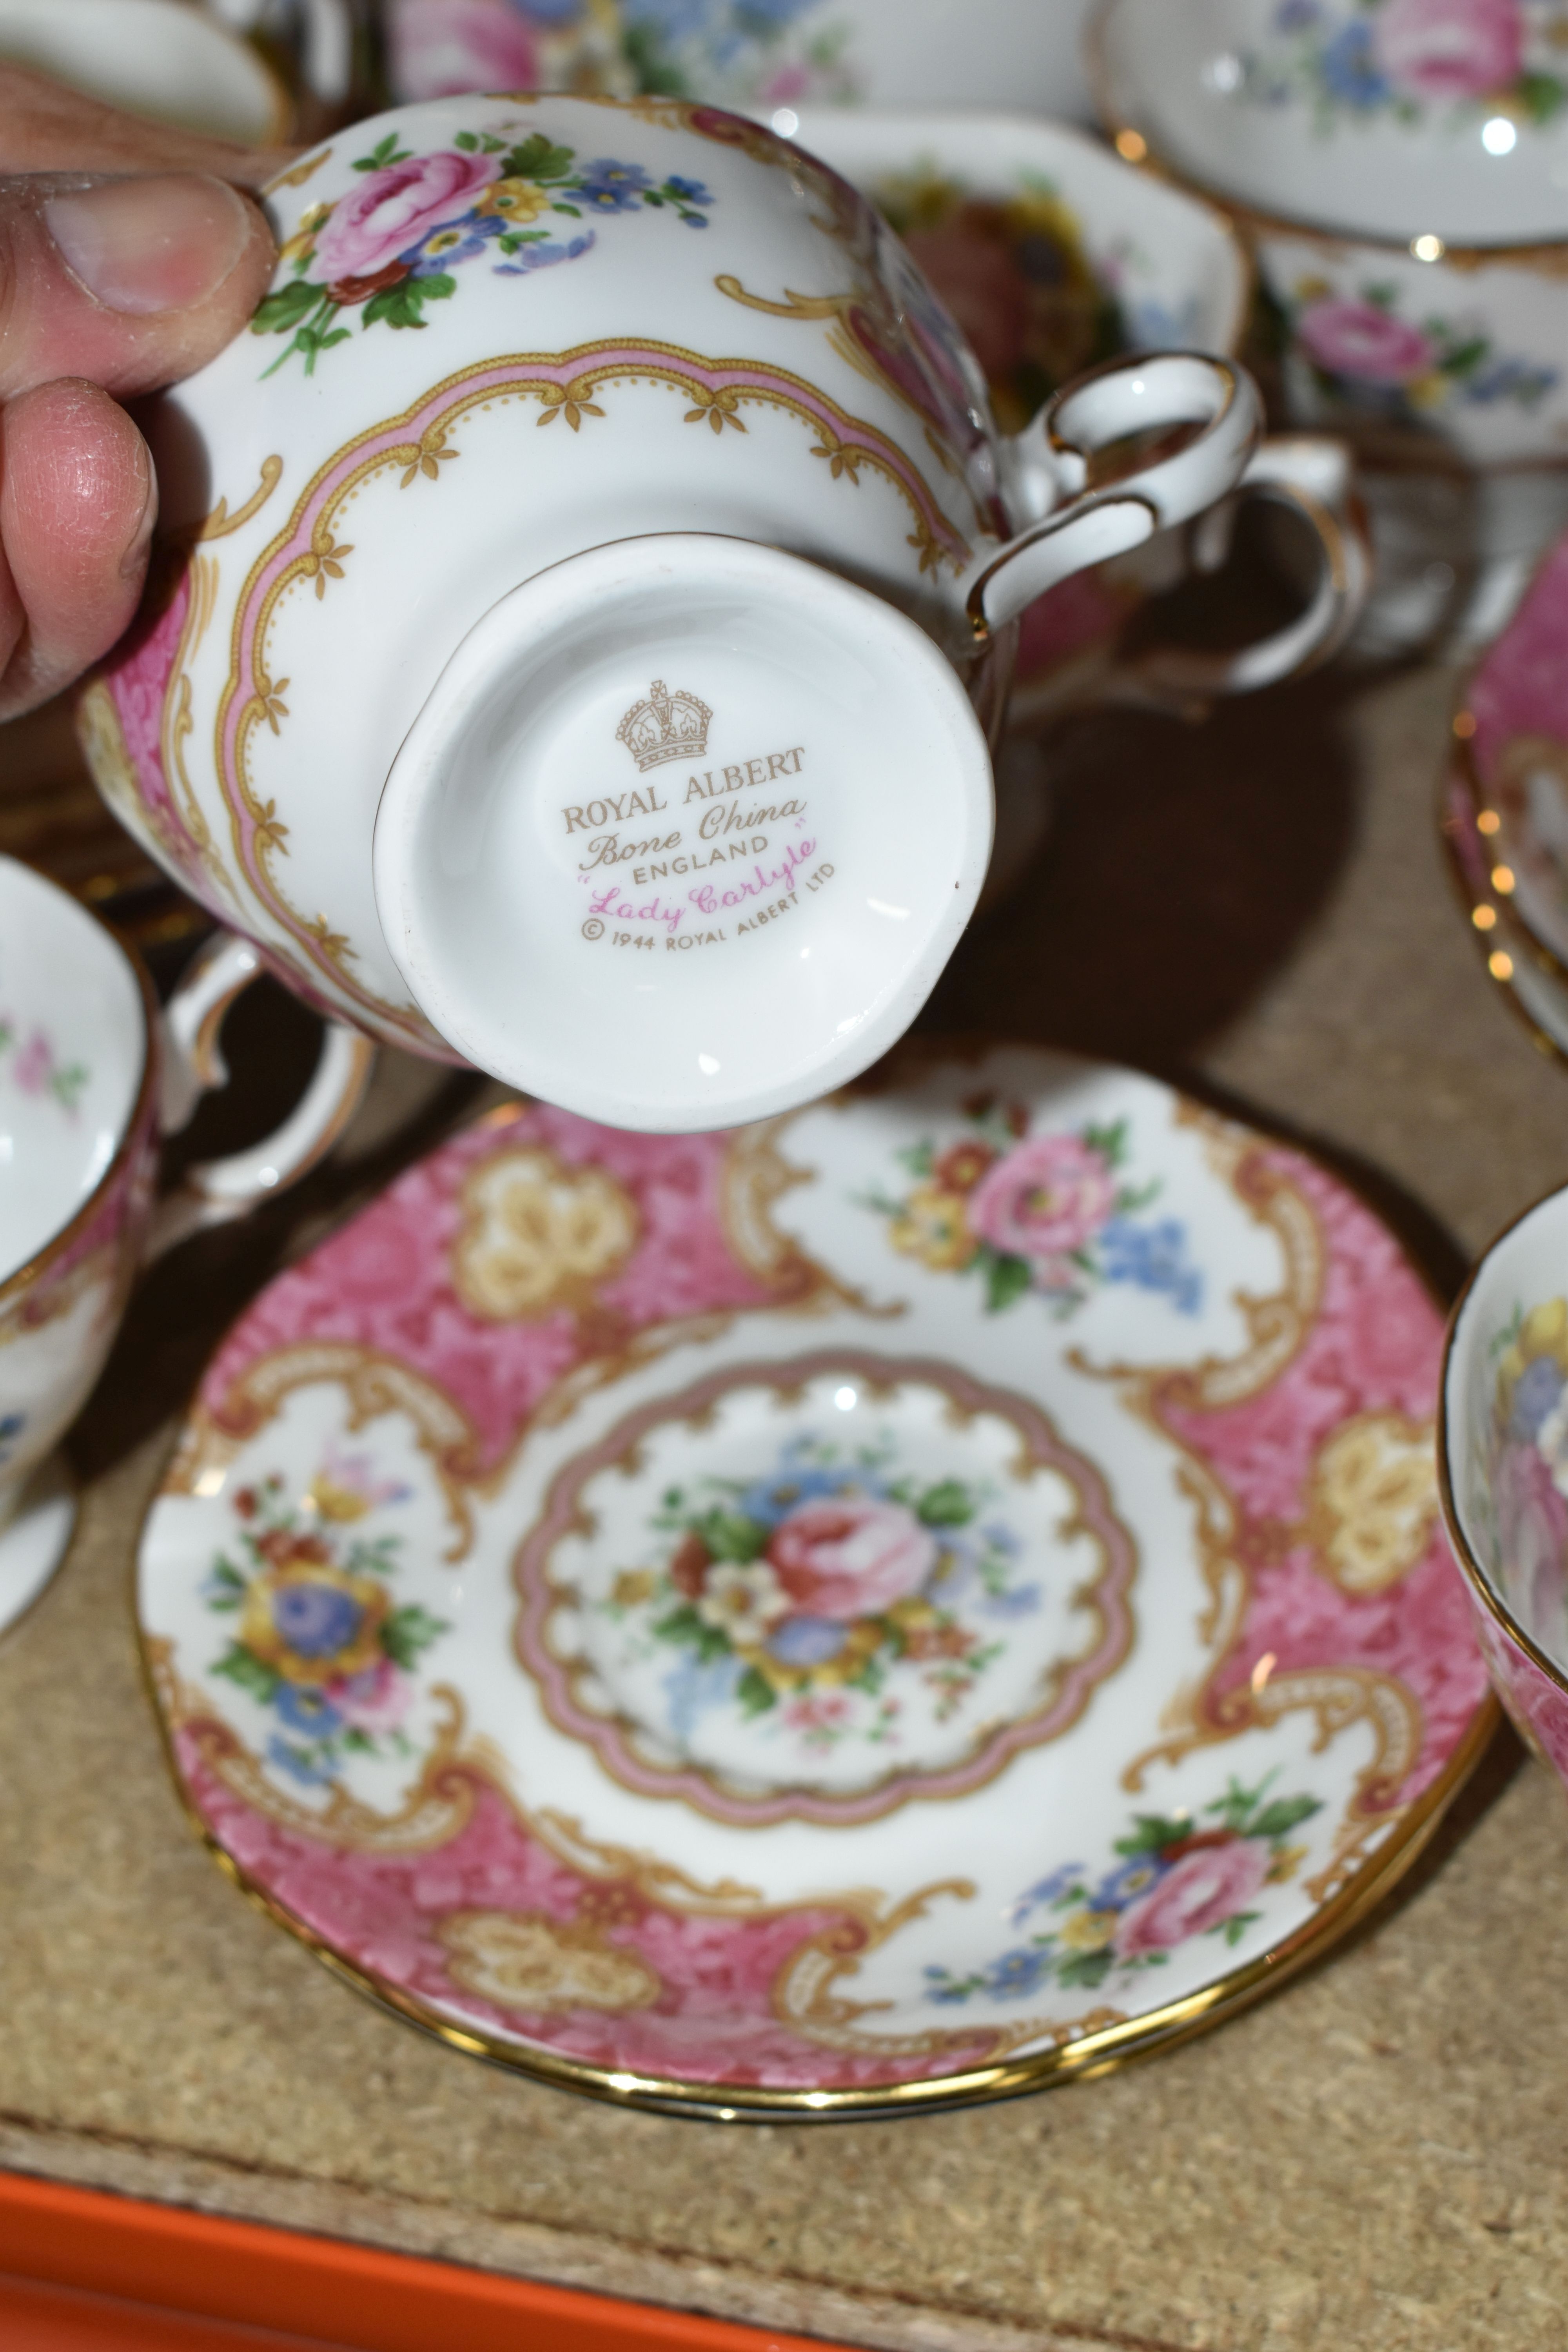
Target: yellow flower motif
pixel 304 237
pixel 1544 1332
pixel 931 1226
pixel 1285 1865
pixel 1088 1931
pixel 632 1588
pixel 861 1643
pixel 523 1961
pixel 513 200
pixel 913 1615
pixel 334 1502
pixel 1428 391
pixel 1373 1501
pixel 285 1592
pixel 537 1233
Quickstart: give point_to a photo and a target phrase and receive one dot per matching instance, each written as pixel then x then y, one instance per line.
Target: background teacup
pixel 1054 255
pixel 1386 119
pixel 91 1076
pixel 1417 303
pixel 1503 1463
pixel 1414 279
pixel 167 58
pixel 766 60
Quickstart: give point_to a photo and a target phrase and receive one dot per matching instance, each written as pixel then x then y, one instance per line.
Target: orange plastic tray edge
pixel 245 2273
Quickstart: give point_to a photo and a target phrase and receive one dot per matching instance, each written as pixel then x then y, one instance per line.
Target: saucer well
pixel 923 1598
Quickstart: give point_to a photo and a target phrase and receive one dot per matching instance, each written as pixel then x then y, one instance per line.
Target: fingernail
pixel 144 246
pixel 141 539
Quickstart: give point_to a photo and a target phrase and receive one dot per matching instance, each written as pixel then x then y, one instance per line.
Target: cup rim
pixel 1475 1576
pixel 23 1276
pixel 1253 219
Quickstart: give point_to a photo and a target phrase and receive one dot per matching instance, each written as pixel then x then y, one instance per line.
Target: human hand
pixel 128 259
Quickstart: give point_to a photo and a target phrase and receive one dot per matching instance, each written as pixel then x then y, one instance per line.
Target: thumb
pixel 128 283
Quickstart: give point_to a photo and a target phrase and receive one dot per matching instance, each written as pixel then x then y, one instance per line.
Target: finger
pixel 44 127
pixel 130 282
pixel 78 502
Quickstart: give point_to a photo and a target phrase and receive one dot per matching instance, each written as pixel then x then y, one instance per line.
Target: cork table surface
pixel 1373 2158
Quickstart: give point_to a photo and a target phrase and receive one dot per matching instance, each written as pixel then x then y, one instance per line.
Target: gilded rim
pixel 31 1268
pixel 1550 254
pixel 1083 2060
pixel 1506 923
pixel 1462 731
pixel 1479 1584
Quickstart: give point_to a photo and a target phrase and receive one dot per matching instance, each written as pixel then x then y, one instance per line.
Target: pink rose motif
pixel 846 1555
pixel 1209 1884
pixel 375 1700
pixel 444 49
pixel 34 1064
pixel 1358 339
pixel 1440 50
pixel 1044 1199
pixel 394 208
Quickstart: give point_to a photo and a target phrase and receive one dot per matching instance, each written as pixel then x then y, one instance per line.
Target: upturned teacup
pixel 91 1077
pixel 588 592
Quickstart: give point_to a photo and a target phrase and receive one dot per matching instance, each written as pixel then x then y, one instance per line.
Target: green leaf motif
pixel 385 150
pixel 692 1631
pixel 1278 1820
pixel 1110 1142
pixel 1088 1968
pixel 1153 1832
pixel 1006 1277
pixel 252 1674
pixel 284 308
pixel 1542 94
pixel 538 157
pixel 946 1504
pixel 755 1692
pixel 731 1535
pixel 407 1631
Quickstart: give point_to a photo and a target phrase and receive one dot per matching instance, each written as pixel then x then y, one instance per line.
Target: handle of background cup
pixel 1315 478
pixel 1053 458
pixel 217 1191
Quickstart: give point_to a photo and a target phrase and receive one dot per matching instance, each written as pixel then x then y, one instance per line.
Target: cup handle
pixel 1053 458
pixel 215 1192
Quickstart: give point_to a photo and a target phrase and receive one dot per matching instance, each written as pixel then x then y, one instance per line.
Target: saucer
pixel 923 1598
pixel 33 1540
pixel 1531 981
pixel 1511 738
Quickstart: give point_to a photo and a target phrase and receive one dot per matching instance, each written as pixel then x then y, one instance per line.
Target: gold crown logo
pixel 666 727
